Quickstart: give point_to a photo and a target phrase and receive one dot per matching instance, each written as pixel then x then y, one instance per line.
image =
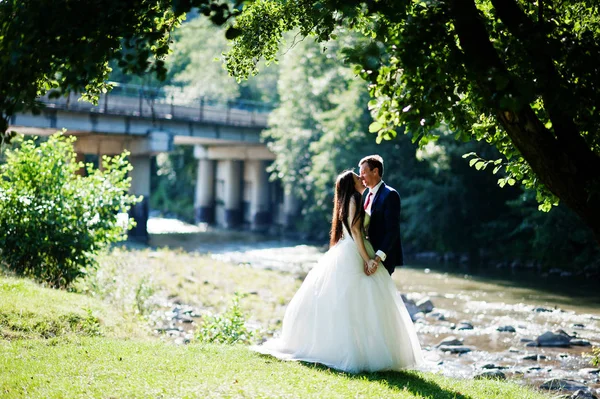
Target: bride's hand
pixel 372 265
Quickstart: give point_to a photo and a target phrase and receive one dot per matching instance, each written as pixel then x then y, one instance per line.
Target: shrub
pixel 229 328
pixel 595 356
pixel 53 220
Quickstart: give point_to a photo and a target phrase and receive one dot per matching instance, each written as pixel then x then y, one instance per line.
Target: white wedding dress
pixel 347 320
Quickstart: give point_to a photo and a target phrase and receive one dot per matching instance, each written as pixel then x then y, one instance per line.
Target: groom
pixel 382 202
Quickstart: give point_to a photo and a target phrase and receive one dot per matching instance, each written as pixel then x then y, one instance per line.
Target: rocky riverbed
pixel 469 326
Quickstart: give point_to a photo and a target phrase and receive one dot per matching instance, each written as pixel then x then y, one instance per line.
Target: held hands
pixel 371 266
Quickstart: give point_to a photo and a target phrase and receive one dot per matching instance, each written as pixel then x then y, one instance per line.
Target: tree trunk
pixel 573 176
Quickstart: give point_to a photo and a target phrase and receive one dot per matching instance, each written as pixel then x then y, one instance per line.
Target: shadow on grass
pixel 401 381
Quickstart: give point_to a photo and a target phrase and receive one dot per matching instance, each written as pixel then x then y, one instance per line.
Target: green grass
pixel 28 311
pixel 108 368
pixel 57 344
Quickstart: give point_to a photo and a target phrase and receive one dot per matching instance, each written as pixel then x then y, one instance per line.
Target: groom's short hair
pixel 374 161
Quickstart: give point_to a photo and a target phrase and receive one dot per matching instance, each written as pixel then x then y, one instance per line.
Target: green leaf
pixel 473 161
pixel 375 127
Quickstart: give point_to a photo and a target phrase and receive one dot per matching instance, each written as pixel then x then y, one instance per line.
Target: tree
pixel 319 129
pixel 518 75
pixel 56 46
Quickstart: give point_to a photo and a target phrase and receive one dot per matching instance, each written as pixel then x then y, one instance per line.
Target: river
pixel 487 300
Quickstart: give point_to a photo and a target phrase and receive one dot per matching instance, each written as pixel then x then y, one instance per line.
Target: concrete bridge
pixel 232 187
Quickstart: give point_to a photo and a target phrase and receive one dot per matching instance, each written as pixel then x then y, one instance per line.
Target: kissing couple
pixel 348 314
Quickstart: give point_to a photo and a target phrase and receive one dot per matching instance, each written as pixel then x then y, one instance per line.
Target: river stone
pixel 418 316
pixel 454 349
pixel 556 384
pixel 425 305
pixel 437 316
pixel 506 329
pixel 512 349
pixel 464 325
pixel 541 309
pixel 553 339
pixel 450 341
pixel 583 394
pixel 580 342
pixel 589 371
pixel 492 374
pixel 410 307
pixel 490 366
pixel 534 357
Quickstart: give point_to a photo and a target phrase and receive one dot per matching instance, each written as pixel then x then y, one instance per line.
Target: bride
pixel 341 317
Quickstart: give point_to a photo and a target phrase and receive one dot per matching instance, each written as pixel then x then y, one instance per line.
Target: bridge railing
pixel 158 104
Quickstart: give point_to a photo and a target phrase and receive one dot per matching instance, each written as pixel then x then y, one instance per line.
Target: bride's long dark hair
pixel 344 191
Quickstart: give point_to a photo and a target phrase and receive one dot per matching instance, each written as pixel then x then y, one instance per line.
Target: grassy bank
pixel 99 346
pixel 108 368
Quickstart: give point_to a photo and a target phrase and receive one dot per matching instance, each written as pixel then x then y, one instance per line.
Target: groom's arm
pixel 391 212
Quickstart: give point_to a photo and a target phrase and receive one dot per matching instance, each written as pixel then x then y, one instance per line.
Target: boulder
pixel 450 341
pixel 558 339
pixel 454 349
pixel 437 316
pixel 491 366
pixel 411 307
pixel 534 357
pixel 583 394
pixel 425 305
pixel 464 325
pixel 580 342
pixel 556 384
pixel 506 329
pixel 589 371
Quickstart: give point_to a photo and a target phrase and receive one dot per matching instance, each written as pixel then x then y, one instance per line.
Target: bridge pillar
pixel 80 157
pixel 291 208
pixel 229 190
pixel 204 202
pixel 140 185
pixel 257 194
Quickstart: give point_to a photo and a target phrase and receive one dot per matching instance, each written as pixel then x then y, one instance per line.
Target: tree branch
pixel 556 168
pixel 553 86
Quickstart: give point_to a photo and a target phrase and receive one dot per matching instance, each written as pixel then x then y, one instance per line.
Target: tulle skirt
pixel 347 320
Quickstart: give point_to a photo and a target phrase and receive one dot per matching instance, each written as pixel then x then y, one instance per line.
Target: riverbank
pixel 64 344
pixel 469 305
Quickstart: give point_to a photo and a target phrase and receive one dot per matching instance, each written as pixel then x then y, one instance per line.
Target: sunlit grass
pixel 107 368
pixel 28 311
pixel 100 346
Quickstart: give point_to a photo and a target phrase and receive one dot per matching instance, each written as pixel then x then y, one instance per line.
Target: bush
pixel 229 328
pixel 596 356
pixel 53 220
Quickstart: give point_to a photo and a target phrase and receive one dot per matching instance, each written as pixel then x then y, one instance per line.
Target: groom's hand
pixel 371 266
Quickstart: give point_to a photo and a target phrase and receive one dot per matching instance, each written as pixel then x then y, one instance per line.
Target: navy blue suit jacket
pixel 384 227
